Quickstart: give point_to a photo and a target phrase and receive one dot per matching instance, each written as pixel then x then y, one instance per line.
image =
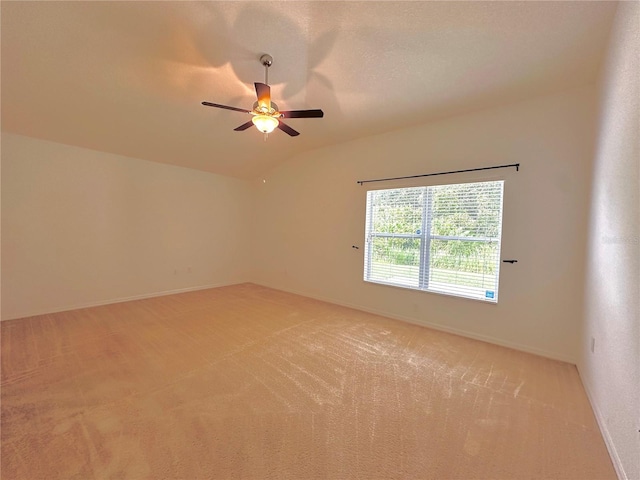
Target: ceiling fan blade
pixel 287 129
pixel 303 113
pixel 244 126
pixel 226 107
pixel 263 91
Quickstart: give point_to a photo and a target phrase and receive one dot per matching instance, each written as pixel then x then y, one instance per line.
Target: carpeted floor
pixel 248 382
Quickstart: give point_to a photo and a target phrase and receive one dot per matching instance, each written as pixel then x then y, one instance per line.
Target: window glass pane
pixel 467 268
pixel 398 210
pixel 395 260
pixel 467 210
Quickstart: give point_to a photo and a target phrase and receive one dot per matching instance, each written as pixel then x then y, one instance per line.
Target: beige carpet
pixel 248 382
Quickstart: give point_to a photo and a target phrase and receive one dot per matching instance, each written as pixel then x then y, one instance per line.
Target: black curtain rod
pixel 517 165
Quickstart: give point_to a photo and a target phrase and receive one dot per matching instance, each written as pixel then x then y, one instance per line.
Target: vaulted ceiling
pixel 129 77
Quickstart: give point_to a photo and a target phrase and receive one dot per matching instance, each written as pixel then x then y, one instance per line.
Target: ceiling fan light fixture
pixel 265 112
pixel 265 123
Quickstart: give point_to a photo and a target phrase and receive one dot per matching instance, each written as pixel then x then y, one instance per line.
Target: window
pixel 443 239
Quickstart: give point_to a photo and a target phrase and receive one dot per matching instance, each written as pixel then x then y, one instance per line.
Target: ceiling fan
pixel 266 116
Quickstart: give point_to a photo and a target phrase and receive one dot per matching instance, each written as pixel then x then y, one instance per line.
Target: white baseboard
pixel 117 300
pixel 436 326
pixel 608 441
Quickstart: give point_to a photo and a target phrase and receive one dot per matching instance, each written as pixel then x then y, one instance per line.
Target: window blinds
pixel 443 238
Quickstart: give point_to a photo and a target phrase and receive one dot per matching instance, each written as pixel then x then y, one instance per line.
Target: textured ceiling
pixel 128 77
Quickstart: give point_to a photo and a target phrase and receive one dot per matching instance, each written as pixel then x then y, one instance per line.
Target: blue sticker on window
pixel 418 232
pixel 489 294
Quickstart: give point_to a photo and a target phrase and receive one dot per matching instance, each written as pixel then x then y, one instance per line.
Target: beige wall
pixel 611 373
pixel 81 227
pixel 311 211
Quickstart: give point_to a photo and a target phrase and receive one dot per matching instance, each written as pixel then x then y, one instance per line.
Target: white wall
pixel 311 211
pixel 611 374
pixel 81 227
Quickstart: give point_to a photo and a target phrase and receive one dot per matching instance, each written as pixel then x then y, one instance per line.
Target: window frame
pixel 425 237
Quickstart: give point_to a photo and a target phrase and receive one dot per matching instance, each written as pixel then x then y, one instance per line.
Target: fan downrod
pixel 267 61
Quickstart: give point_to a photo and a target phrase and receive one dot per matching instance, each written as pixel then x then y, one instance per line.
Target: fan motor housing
pixel 272 111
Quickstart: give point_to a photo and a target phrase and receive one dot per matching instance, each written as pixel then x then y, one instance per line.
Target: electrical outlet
pixel 593 345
